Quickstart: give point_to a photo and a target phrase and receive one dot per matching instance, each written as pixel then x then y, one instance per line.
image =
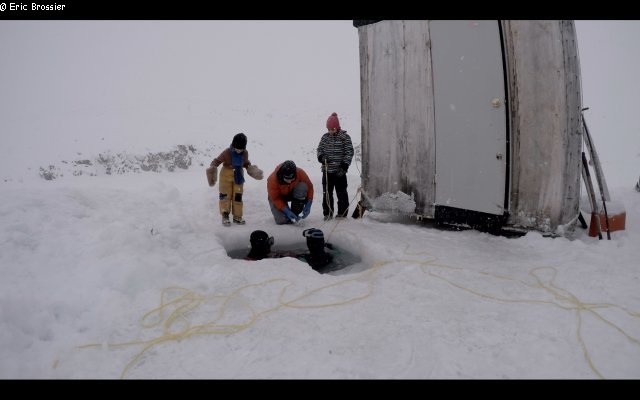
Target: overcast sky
pixel 609 61
pixel 86 86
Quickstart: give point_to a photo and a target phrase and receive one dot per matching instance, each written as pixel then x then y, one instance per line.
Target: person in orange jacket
pixel 290 193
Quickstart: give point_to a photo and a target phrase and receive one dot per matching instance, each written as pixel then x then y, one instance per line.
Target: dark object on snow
pixel 583 223
pixel 317 257
pixel 261 244
pixel 359 211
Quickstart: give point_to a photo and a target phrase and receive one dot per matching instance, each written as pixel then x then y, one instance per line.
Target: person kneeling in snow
pixel 317 256
pixel 233 159
pixel 288 183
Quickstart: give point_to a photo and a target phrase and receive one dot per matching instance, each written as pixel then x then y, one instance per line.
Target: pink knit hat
pixel 332 122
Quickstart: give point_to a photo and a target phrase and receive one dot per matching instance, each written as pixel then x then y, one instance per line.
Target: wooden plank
pixel 602 184
pixel 586 176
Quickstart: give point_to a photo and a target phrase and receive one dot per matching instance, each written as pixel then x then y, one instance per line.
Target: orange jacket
pixel 278 191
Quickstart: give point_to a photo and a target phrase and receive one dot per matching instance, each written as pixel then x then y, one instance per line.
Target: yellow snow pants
pixel 230 193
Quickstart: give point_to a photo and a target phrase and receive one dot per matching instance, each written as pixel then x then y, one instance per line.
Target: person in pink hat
pixel 335 153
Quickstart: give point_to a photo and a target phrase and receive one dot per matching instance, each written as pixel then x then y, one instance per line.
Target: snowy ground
pixel 128 276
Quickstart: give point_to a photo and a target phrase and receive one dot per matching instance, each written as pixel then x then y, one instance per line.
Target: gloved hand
pixel 255 172
pixel 289 214
pixel 307 209
pixel 212 175
pixel 343 170
pixel 322 159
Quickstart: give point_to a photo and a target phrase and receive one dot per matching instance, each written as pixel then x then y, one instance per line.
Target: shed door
pixel 470 116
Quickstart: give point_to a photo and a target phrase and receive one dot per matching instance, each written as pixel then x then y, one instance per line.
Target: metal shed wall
pixel 543 84
pixel 397 111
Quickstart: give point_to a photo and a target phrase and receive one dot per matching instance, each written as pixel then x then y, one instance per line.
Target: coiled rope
pixel 178 305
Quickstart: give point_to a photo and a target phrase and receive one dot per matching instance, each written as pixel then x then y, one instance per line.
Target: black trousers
pixel 339 183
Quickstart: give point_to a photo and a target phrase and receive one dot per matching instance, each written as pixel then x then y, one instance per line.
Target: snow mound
pixel 180 157
pixel 399 202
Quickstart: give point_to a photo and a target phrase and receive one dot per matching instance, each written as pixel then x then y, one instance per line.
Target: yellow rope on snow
pixel 561 295
pixel 179 308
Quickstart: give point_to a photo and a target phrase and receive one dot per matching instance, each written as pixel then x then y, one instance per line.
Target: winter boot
pixel 225 219
pixel 238 220
pixel 342 214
